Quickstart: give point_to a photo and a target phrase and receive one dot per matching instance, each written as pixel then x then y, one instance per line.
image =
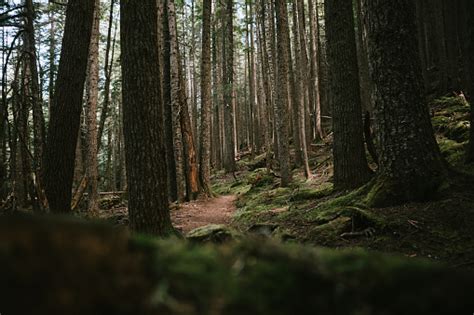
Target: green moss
pixel 309 193
pixel 177 277
pixel 230 187
pixel 215 233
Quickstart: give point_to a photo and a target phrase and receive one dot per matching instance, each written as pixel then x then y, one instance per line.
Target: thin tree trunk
pixel 228 78
pixel 92 94
pixel 108 67
pixel 314 55
pixel 174 85
pixel 174 174
pixel 206 102
pixel 35 100
pixel 178 95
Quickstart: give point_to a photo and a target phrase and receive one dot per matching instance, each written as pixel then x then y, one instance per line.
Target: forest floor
pixel 191 215
pixel 311 212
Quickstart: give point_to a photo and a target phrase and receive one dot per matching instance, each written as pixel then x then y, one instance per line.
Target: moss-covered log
pixel 57 266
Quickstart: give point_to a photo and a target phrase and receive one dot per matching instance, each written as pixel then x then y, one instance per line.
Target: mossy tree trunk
pixel 350 162
pixel 143 119
pixel 411 167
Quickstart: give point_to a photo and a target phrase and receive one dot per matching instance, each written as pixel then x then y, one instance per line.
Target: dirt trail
pixel 202 212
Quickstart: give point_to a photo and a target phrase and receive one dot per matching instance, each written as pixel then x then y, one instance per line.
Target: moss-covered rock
pixel 57 266
pixel 214 233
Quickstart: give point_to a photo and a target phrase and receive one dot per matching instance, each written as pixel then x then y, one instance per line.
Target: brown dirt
pixel 191 215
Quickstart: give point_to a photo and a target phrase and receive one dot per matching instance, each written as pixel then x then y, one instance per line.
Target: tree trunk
pixel 469 69
pixel 281 108
pixel 175 191
pixel 314 56
pixel 108 67
pixel 184 145
pixel 228 78
pixel 35 100
pixel 143 119
pixel 350 163
pixel 92 94
pixel 206 102
pixel 305 79
pixel 66 107
pixel 411 167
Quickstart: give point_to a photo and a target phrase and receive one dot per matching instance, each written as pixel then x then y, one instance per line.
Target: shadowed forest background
pixel 132 132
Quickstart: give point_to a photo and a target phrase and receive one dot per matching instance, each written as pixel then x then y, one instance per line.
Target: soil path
pixel 191 215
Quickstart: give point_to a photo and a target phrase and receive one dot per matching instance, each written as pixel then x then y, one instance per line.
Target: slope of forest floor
pixel 309 211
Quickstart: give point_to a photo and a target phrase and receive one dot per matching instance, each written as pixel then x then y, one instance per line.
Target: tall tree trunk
pixel 52 53
pixel 206 102
pixel 296 89
pixel 228 76
pixel 305 80
pixel 350 163
pixel 193 80
pixel 314 56
pixel 281 110
pixel 411 167
pixel 175 175
pixel 92 94
pixel 66 107
pixel 35 100
pixel 363 62
pixel 251 85
pixel 108 67
pixel 174 98
pixel 143 119
pixel 179 99
pixel 267 84
pixel 468 8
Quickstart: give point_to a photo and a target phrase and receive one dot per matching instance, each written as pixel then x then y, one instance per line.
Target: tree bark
pixel 185 145
pixel 171 95
pixel 411 167
pixel 108 67
pixel 281 108
pixel 314 56
pixel 468 9
pixel 66 106
pixel 350 162
pixel 35 100
pixel 206 102
pixel 228 81
pixel 143 119
pixel 92 95
pixel 170 134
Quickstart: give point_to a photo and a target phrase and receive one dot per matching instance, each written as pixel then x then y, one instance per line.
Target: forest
pixel 237 157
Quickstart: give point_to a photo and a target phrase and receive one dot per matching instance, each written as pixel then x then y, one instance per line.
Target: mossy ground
pixel 71 267
pixel 310 212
